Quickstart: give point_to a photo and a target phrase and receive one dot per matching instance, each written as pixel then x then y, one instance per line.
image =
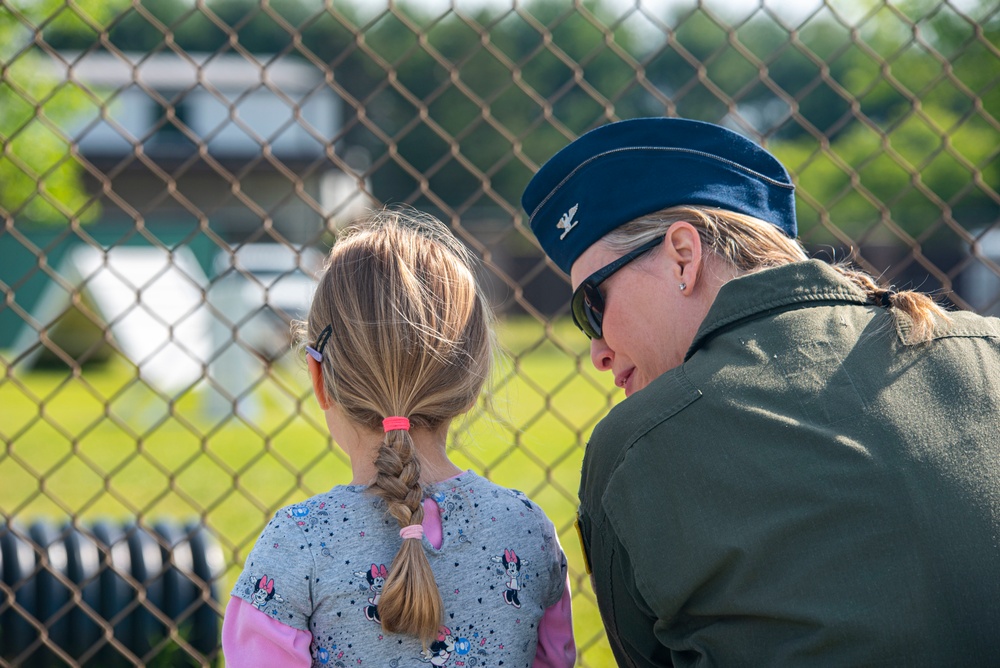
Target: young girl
pixel 406 565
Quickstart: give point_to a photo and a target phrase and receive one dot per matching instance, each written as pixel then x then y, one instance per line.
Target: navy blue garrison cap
pixel 625 170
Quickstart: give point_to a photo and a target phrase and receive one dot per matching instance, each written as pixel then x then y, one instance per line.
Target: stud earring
pixel 683 286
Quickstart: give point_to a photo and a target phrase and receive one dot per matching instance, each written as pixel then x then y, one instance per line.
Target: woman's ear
pixel 319 388
pixel 682 248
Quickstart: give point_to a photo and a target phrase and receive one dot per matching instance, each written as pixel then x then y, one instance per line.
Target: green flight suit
pixel 808 488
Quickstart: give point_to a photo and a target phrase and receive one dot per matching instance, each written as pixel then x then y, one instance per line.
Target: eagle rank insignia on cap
pixel 566 221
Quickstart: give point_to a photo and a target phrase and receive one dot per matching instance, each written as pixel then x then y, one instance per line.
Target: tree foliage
pixel 39 175
pixel 889 110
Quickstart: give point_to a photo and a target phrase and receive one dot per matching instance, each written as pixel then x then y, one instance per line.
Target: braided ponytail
pixel 410 601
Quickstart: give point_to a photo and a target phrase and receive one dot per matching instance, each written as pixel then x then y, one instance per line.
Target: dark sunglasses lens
pixel 576 307
pixel 588 310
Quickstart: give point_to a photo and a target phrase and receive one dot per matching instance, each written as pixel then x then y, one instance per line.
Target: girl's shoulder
pixel 336 494
pixel 485 493
pixel 325 504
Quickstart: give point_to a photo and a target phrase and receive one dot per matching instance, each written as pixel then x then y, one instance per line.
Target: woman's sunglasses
pixel 588 302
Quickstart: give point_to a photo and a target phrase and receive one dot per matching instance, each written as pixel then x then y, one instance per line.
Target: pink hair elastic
pixel 412 531
pixel 395 422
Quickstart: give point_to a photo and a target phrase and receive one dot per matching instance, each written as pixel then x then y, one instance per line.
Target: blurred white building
pixel 232 142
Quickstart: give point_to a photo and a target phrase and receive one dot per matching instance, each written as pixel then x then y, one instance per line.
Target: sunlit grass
pixel 101 444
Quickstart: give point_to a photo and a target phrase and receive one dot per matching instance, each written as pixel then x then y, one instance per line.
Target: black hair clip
pixel 883 298
pixel 324 336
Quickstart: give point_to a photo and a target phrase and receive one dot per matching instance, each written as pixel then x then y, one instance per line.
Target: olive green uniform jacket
pixel 809 488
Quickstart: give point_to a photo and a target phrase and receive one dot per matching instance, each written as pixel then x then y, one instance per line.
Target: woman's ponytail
pixel 923 312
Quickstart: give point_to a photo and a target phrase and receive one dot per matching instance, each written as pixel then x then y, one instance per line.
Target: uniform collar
pixel 751 296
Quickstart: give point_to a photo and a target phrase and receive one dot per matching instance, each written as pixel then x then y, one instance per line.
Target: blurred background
pixel 173 171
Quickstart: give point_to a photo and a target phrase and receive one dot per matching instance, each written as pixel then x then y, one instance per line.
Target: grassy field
pixel 100 444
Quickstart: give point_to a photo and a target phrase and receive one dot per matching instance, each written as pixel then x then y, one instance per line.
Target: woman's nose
pixel 601 355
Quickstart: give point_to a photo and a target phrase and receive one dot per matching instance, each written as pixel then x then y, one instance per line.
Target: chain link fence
pixel 173 171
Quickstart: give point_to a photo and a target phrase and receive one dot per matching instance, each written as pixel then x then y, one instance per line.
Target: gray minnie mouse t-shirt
pixel 319 567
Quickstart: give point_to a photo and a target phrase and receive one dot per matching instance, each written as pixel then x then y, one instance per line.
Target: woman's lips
pixel 621 380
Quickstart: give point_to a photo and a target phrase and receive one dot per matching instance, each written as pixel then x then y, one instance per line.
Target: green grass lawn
pixel 100 444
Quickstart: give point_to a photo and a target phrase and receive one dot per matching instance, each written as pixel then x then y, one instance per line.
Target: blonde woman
pixel 806 470
pixel 400 567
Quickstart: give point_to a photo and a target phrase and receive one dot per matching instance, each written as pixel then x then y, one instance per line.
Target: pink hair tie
pixel 412 531
pixel 396 422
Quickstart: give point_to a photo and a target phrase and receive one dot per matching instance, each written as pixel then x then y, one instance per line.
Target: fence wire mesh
pixel 173 170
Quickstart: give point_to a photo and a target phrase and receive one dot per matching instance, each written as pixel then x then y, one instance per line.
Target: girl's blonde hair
pixel 411 336
pixel 749 244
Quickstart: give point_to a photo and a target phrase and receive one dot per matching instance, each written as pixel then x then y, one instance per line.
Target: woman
pixel 807 467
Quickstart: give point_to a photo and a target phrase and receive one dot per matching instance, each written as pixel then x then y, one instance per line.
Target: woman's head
pixel 598 205
pixel 402 330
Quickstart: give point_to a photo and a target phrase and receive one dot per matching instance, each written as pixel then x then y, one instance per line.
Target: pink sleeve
pixel 556 648
pixel 253 638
